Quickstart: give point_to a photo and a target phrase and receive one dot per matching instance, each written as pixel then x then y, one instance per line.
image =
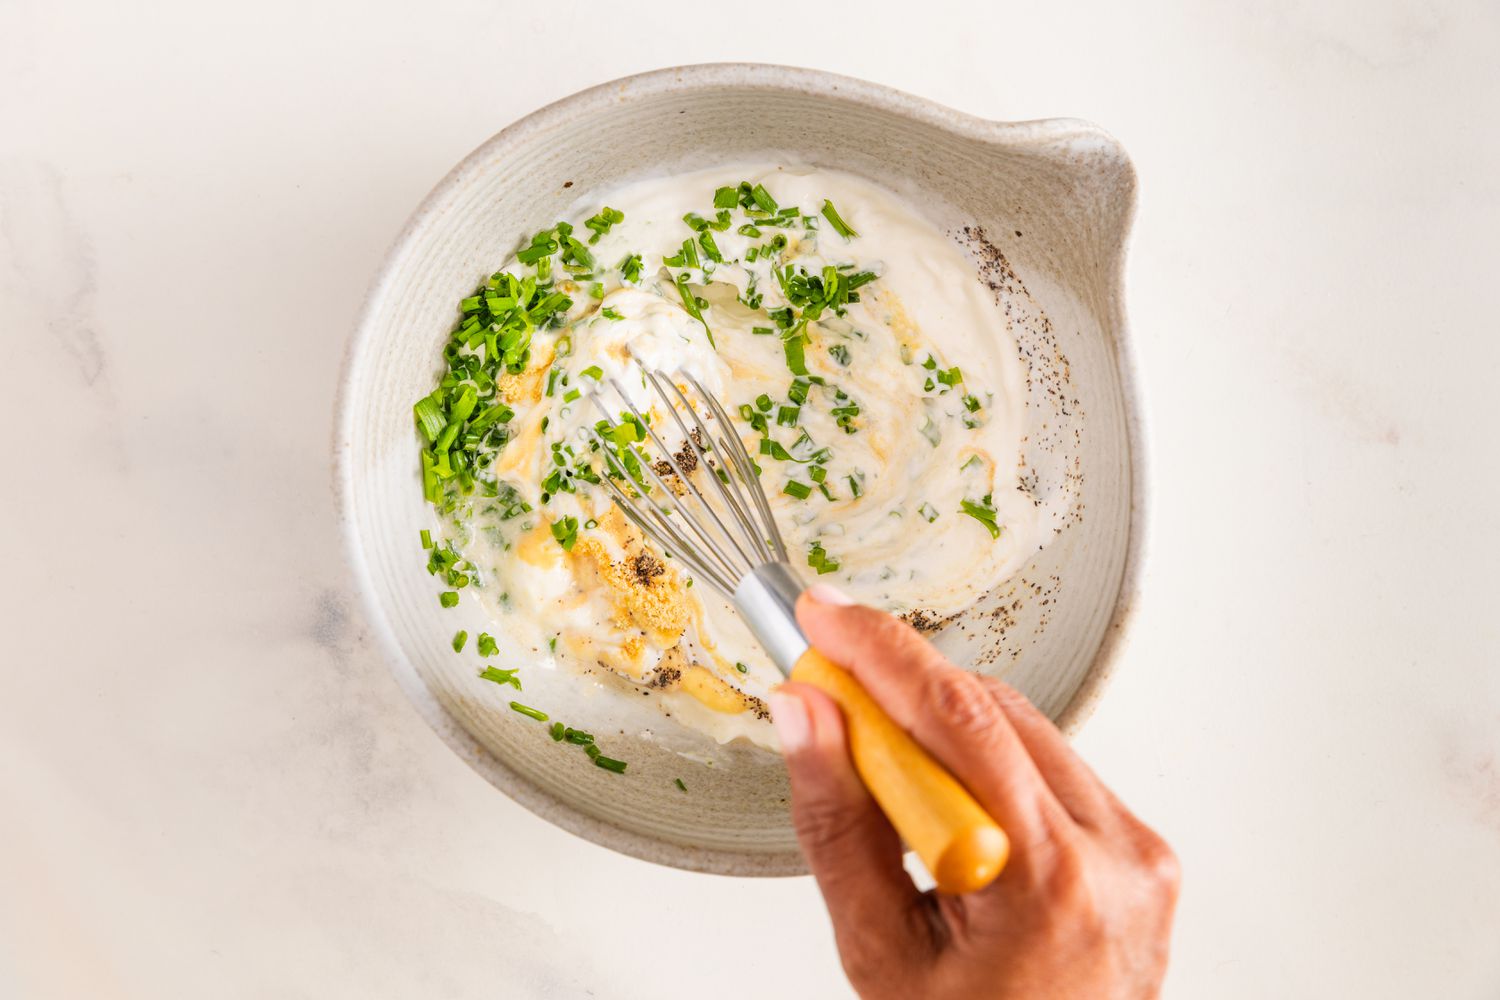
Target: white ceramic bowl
pixel 1054 200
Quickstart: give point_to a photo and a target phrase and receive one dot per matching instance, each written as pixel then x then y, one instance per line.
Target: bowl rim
pixel 766 76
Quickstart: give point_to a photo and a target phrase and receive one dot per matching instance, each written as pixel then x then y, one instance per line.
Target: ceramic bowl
pixel 1044 208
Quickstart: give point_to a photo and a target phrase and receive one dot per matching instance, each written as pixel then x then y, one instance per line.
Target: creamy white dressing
pixel 919 448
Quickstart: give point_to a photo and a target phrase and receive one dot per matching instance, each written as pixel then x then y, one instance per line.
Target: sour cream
pixel 894 458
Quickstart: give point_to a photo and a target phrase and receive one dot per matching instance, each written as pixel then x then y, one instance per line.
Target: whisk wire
pixel 740 570
pixel 721 483
pixel 769 536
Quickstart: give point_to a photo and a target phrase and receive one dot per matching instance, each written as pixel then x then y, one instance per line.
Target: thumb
pixel 851 849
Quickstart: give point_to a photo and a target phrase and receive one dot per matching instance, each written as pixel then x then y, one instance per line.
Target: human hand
pixel 1082 910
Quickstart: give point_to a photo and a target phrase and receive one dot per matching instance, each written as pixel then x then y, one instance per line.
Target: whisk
pixel 723 532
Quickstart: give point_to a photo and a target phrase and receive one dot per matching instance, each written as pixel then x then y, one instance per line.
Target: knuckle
pixel 1161 865
pixel 887 631
pixel 962 701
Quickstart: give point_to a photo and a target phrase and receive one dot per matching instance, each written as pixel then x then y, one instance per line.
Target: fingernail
pixel 825 593
pixel 793 726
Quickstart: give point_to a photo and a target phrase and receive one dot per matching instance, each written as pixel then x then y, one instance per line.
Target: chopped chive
pixel 459 638
pixel 763 198
pixel 448 598
pixel 726 197
pixel 630 269
pixel 817 473
pixel 818 559
pixel 610 313
pixel 610 764
pixel 571 395
pixel 982 511
pixel 429 414
pixel 763 403
pixel 502 676
pixel 528 711
pixel 592 371
pixel 485 645
pixel 742 668
pixel 762 331
pixel 690 303
pixel 710 247
pixel 578 737
pixel 786 416
pixel 839 353
pixel 603 222
pixel 928 511
pixel 557 732
pixel 566 532
pixel 799 490
pixel 839 225
pixel 678 781
pixel 426 539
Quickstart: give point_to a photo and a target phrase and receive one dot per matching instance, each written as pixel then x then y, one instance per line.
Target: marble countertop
pixel 211 786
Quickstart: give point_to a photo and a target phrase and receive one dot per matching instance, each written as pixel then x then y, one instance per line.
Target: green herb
pixel 630 269
pixel 528 711
pixel 429 414
pixel 448 598
pixel 592 371
pixel 678 781
pixel 566 532
pixel 609 313
pixel 786 416
pixel 839 353
pixel 762 198
pixel 762 331
pixel 502 676
pixel 485 645
pixel 710 248
pixel 792 346
pixel 459 638
pixel 726 197
pixel 818 559
pixel 971 403
pixel 839 225
pixel 603 222
pixel 951 377
pixel 928 512
pixel 763 403
pixel 742 668
pixel 426 539
pixel 693 304
pixel 610 764
pixel 578 737
pixel 856 484
pixel 982 511
pixel 750 231
pixel 557 732
pixel 799 490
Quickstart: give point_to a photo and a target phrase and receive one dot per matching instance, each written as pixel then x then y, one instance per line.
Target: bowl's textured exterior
pixel 1046 208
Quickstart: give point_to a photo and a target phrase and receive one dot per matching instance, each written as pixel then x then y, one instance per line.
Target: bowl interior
pixel 1044 207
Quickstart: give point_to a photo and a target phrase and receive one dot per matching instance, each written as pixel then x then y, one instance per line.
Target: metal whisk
pixel 724 532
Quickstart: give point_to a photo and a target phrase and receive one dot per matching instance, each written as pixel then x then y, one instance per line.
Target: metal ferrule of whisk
pixel 719 524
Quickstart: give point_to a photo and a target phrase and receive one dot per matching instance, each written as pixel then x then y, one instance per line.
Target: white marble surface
pixel 209 785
